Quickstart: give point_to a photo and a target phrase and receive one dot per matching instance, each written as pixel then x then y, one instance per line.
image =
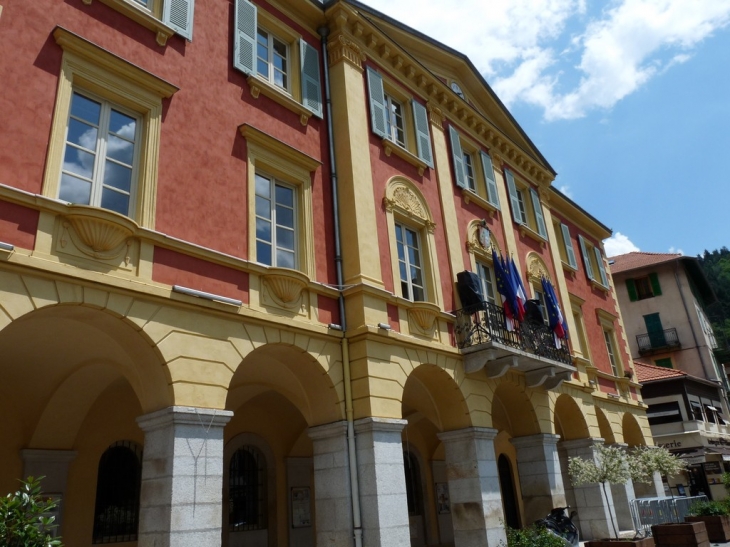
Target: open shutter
pixel 655 287
pixel 377 103
pixel 601 268
pixel 537 207
pixel 311 85
pixel 492 195
pixel 631 288
pixel 457 158
pixel 178 15
pixel 244 37
pixel 569 246
pixel 586 258
pixel 514 200
pixel 423 134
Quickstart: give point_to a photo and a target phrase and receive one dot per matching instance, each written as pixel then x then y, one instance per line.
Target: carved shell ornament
pixel 405 199
pixel 536 269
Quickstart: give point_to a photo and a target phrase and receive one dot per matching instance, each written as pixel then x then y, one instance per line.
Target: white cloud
pixel 619 244
pixel 675 250
pixel 565 189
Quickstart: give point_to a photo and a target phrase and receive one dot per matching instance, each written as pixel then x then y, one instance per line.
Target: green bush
pixel 532 537
pixel 708 509
pixel 24 520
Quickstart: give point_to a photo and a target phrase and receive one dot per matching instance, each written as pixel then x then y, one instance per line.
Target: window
pixel 608 323
pixel 579 341
pixel 526 207
pixel 106 130
pixel 409 263
pixel 480 184
pixel 265 50
pixel 666 362
pixel 565 246
pixel 392 121
pixel 640 288
pixel 486 279
pixel 664 413
pixel 275 223
pixel 696 409
pixel 540 297
pixel 611 349
pixel 118 483
pixel 593 262
pixel 247 490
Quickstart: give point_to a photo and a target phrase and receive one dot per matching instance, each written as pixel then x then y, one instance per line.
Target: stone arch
pixel 570 422
pixel 432 392
pixel 513 411
pixel 604 427
pixel 632 431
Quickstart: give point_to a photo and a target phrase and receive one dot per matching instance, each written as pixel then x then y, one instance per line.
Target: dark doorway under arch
pixel 509 498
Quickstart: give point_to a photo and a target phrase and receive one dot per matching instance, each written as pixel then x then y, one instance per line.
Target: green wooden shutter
pixel 488 168
pixel 311 84
pixel 601 268
pixel 569 251
pixel 244 37
pixel 514 200
pixel 631 287
pixel 178 15
pixel 423 134
pixel 586 258
pixel 377 103
pixel 539 218
pixel 457 157
pixel 655 287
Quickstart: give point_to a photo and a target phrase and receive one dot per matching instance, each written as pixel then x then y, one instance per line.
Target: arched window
pixel 247 490
pixel 116 514
pixel 413 484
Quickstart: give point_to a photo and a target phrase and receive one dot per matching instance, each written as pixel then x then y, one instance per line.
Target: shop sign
pixel 713 468
pixel 718 442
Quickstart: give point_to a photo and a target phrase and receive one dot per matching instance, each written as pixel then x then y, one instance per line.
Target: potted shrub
pixel 716 517
pixel 24 520
pixel 532 536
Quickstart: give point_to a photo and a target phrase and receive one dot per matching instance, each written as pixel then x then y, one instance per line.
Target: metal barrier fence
pixel 646 512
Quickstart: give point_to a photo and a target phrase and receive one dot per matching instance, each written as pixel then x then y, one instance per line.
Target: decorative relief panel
pixel 422 319
pixel 536 268
pixel 285 289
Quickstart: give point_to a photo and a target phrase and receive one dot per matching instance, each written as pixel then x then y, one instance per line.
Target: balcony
pixel 482 336
pixel 658 341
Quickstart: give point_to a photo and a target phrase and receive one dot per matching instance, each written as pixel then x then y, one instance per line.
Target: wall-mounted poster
pixel 301 507
pixel 443 501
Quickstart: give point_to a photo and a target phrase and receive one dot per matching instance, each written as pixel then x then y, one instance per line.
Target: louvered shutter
pixel 539 219
pixel 631 288
pixel 244 37
pixel 311 84
pixel 586 258
pixel 656 288
pixel 377 103
pixel 423 134
pixel 514 200
pixel 457 158
pixel 601 268
pixel 178 15
pixel 569 246
pixel 488 168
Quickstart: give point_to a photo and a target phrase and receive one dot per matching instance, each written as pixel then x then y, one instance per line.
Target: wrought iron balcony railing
pixel 658 340
pixel 486 322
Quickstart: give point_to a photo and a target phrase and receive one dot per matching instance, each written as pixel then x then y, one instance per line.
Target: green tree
pixel 24 518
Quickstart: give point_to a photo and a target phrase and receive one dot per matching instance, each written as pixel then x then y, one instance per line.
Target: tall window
pixel 116 513
pixel 394 118
pixel 469 172
pixel 275 222
pixel 611 348
pixel 247 490
pixel 486 279
pixel 99 161
pixel 272 59
pixel 410 264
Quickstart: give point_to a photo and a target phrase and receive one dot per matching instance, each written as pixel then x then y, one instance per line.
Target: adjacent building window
pixel 467 175
pixel 247 490
pixel 272 59
pixel 640 288
pixel 526 206
pixel 275 223
pixel 593 262
pixel 666 362
pixel 664 413
pixel 409 263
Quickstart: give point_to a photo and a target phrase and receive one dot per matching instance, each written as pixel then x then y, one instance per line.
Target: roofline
pixel 581 209
pixel 362 7
pixel 684 377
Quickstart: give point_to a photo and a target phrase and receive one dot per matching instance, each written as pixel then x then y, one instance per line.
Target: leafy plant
pixel 24 520
pixel 532 537
pixel 709 509
pixel 644 461
pixel 726 481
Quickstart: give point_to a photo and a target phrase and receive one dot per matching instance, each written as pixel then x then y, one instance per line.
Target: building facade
pixel 230 235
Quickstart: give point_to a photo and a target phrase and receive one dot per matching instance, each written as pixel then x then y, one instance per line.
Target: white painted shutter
pixel 537 207
pixel 377 103
pixel 178 15
pixel 457 158
pixel 601 268
pixel 586 258
pixel 514 200
pixel 488 168
pixel 311 83
pixel 423 134
pixel 244 37
pixel 569 246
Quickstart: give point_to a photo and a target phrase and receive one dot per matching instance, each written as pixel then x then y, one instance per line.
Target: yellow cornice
pixel 576 215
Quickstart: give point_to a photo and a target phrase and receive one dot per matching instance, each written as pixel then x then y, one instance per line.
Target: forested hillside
pixel 716 265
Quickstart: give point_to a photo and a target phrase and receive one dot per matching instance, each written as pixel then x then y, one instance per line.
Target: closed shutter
pixel 457 158
pixel 377 103
pixel 423 133
pixel 655 287
pixel 492 195
pixel 569 246
pixel 514 200
pixel 631 288
pixel 586 258
pixel 311 85
pixel 601 268
pixel 178 15
pixel 539 219
pixel 244 37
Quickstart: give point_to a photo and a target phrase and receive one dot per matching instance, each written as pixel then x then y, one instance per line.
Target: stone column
pixel 539 468
pixel 595 512
pixel 53 465
pixel 654 489
pixel 332 494
pixel 182 477
pixel 383 501
pixel 476 502
pixel 623 494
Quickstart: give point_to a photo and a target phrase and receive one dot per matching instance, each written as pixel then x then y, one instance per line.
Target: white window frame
pixel 273 184
pixel 488 283
pixel 471 182
pixel 402 246
pixel 395 122
pixel 272 70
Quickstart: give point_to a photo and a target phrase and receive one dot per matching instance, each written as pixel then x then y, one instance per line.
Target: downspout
pixel 352 453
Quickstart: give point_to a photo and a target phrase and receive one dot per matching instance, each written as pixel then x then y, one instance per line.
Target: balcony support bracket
pixel 474 362
pixel 499 367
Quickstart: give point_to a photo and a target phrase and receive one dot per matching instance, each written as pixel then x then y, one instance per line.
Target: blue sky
pixel 629 100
